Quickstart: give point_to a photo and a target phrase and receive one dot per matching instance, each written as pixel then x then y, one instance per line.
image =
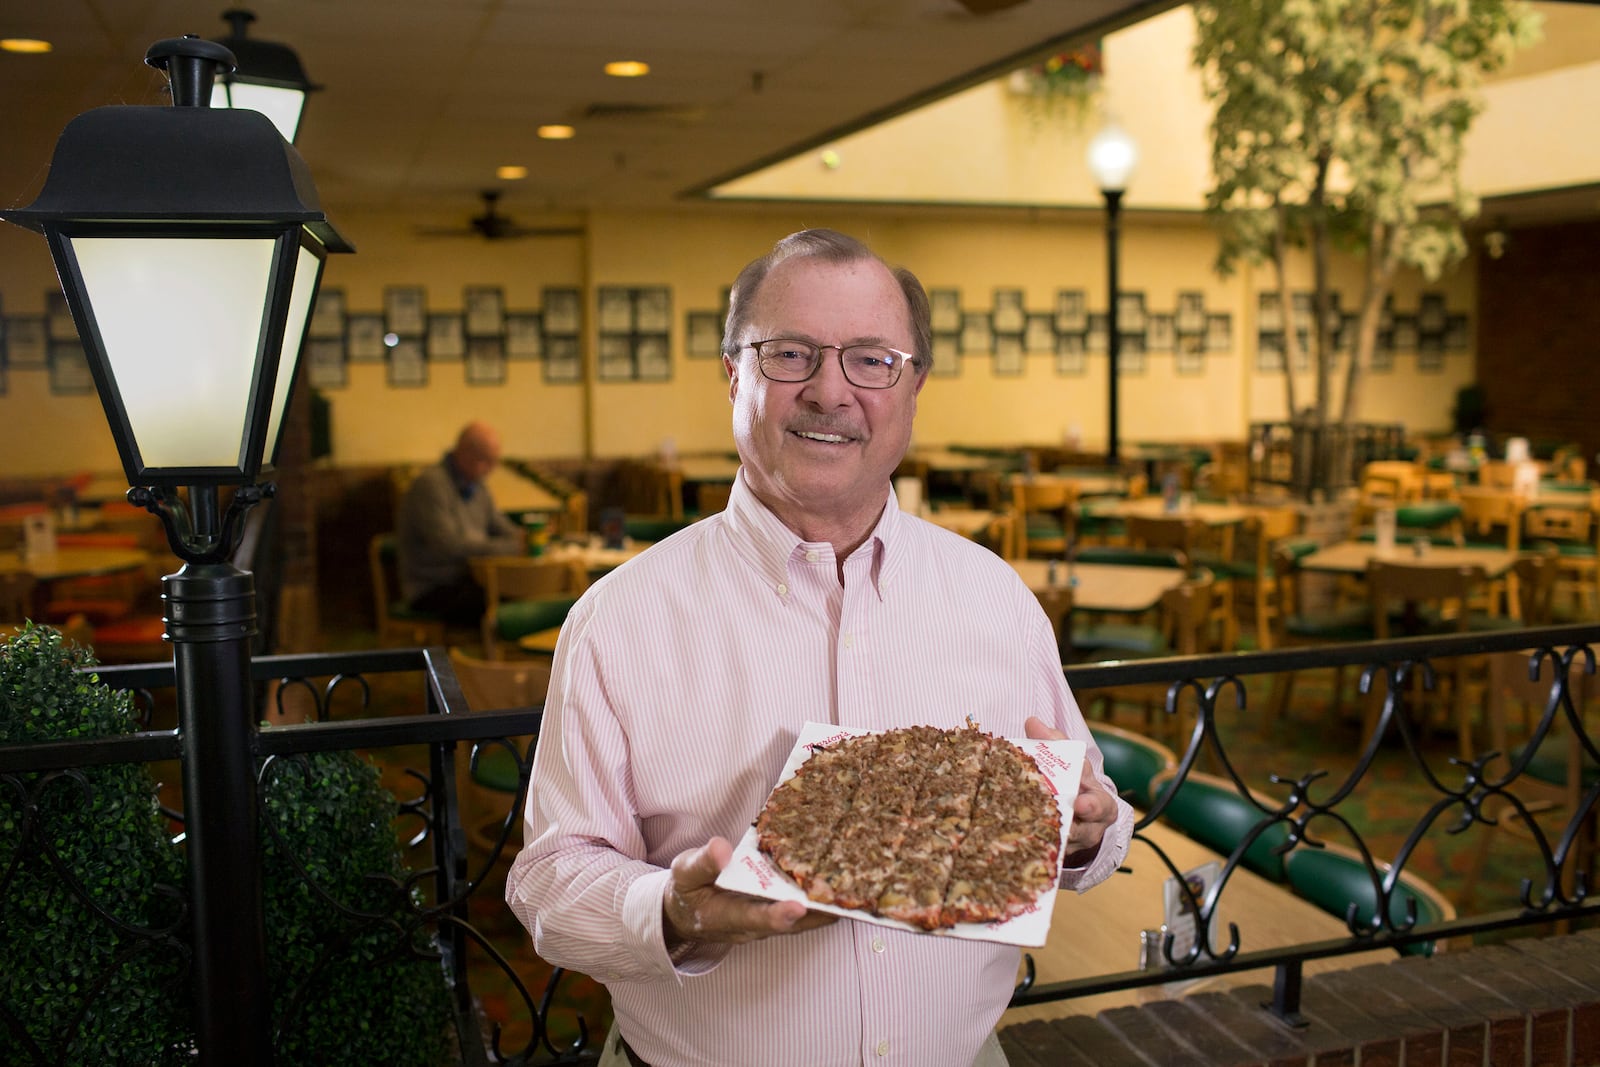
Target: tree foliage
pixel 1339 126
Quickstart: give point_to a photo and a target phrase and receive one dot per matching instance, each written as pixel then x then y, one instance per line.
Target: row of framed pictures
pixel 1429 332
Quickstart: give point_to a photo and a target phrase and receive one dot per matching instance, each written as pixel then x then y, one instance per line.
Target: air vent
pixel 646 112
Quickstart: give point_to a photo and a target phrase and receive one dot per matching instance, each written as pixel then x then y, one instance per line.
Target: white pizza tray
pixel 750 871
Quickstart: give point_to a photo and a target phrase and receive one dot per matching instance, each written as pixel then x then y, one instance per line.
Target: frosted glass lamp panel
pixel 307 268
pixel 281 106
pixel 180 319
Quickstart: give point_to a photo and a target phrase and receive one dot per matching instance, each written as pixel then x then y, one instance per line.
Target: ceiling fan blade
pixel 988 7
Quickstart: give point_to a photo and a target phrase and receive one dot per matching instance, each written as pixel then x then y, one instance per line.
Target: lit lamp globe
pixel 1112 158
pixel 190 243
pixel 266 77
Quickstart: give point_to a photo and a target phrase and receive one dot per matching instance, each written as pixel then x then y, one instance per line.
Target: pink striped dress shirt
pixel 680 683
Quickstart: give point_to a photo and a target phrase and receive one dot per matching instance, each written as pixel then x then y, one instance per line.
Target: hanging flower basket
pixel 1063 85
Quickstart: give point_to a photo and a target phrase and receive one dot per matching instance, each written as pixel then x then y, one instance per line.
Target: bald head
pixel 477 451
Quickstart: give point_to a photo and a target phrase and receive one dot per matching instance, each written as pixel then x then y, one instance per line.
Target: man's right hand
pixel 696 910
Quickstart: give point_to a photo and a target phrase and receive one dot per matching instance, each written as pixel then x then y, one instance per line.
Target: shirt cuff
pixel 1113 850
pixel 642 918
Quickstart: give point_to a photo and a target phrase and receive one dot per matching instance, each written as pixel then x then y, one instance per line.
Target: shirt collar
pixel 769 545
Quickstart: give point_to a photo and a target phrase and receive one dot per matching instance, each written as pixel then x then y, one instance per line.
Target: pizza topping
pixel 930 827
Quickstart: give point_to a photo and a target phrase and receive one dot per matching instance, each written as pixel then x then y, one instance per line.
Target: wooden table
pixel 707 468
pixel 74 562
pixel 944 461
pixel 512 492
pixel 1352 557
pixel 1097 933
pixel 968 522
pixel 1108 587
pixel 1154 507
pixel 1087 485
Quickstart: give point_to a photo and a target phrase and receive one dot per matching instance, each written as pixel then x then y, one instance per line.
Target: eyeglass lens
pixel 868 366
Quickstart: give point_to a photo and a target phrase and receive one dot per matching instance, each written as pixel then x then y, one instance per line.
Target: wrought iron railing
pixel 1299 800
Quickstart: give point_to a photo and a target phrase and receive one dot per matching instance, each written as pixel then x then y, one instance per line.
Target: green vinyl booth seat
pixel 518 618
pixel 1334 879
pixel 1132 761
pixel 1213 812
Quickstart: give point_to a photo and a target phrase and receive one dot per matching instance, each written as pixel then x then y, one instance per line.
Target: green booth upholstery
pixel 1212 811
pixel 1132 761
pixel 1333 879
pixel 518 618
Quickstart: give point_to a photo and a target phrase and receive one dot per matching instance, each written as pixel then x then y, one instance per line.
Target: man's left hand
pixel 1093 811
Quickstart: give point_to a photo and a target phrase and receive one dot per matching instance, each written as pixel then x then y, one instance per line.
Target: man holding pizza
pixel 682 679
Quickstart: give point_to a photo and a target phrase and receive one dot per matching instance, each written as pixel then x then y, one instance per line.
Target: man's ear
pixel 731 366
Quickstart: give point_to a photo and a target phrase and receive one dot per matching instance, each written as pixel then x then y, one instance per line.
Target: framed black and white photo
pixel 26 344
pixel 524 335
pixel 1431 317
pixel 1430 353
pixel 486 361
pixel 652 310
pixel 447 337
pixel 1189 358
pixel 325 363
pixel 1219 331
pixel 563 313
pixel 702 335
pixel 59 314
pixel 485 311
pixel 408 364
pixel 1269 312
pixel 364 338
pixel 1009 317
pixel 69 368
pixel 1160 333
pixel 1097 335
pixel 1383 354
pixel 976 334
pixel 1130 355
pixel 1040 335
pixel 327 317
pixel 1130 312
pixel 1008 355
pixel 404 312
pixel 1071 355
pixel 615 309
pixel 616 357
pixel 946 355
pixel 653 358
pixel 1071 311
pixel 563 360
pixel 1405 333
pixel 945 308
pixel 1456 335
pixel 1191 312
pixel 1269 352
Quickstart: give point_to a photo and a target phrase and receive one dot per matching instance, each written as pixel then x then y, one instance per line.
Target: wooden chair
pixel 1200 545
pixel 1294 625
pixel 1255 585
pixel 646 489
pixel 1412 598
pixel 1497 474
pixel 487 791
pixel 526 594
pixel 1575 531
pixel 1057 604
pixel 1492 518
pixel 17 590
pixel 1044 512
pixel 1554 777
pixel 1337 879
pixel 398 625
pixel 1000 535
pixel 711 497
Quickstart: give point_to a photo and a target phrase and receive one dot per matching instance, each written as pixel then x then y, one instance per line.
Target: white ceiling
pixel 424 98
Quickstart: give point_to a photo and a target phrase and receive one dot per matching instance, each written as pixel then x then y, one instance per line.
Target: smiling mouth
pixel 825 438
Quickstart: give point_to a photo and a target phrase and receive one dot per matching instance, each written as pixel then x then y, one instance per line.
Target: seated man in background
pixel 447 518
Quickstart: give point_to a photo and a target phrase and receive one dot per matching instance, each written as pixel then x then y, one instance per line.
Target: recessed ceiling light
pixel 25 45
pixel 556 132
pixel 511 173
pixel 627 68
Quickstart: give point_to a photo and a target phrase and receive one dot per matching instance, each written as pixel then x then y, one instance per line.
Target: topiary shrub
pixel 100 976
pixel 89 880
pixel 354 978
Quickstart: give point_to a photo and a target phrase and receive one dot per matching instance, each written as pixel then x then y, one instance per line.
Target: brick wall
pixel 1532 1002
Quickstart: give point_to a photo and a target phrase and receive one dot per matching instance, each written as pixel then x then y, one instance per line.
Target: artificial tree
pixel 1339 126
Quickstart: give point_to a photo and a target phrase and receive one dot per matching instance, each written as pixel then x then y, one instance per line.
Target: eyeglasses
pixel 864 366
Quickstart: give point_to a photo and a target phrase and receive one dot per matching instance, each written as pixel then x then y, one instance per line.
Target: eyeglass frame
pixel 906 357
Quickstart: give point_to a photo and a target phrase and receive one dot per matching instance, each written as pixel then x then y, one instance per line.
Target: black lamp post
pixel 190 243
pixel 1112 157
pixel 266 77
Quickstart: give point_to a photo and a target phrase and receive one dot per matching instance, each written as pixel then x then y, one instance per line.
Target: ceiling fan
pixel 491 225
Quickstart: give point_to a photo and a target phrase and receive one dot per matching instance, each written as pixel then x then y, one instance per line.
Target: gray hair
pixel 830 246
